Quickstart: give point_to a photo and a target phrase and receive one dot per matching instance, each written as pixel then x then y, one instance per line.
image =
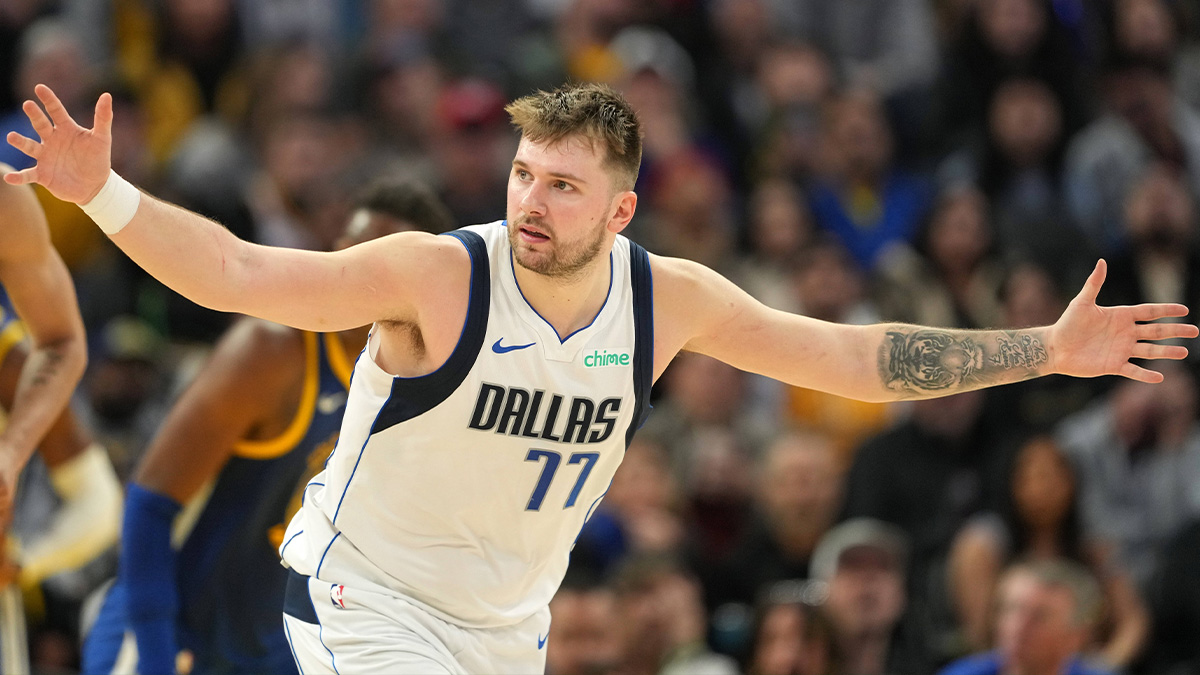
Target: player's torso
pixel 231 583
pixel 465 489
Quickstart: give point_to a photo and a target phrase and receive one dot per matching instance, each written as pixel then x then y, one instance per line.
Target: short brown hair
pixel 594 111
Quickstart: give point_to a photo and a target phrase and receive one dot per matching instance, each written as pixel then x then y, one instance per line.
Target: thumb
pixel 1091 287
pixel 102 123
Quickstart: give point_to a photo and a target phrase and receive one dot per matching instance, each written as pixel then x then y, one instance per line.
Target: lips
pixel 532 234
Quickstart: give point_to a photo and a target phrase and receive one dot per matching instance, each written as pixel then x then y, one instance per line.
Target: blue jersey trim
pixel 285 544
pixel 292 647
pixel 642 282
pixel 512 264
pixel 321 637
pixel 412 396
pixel 318 572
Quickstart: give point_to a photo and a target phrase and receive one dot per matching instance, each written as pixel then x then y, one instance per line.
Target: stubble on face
pixel 555 259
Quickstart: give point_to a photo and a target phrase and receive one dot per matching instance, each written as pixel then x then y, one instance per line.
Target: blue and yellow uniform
pixel 228 575
pixel 12 330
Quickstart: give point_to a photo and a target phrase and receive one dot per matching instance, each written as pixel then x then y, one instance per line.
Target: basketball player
pixel 36 380
pixel 257 423
pixel 508 367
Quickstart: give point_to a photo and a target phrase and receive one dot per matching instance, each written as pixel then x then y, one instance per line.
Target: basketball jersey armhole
pixel 411 396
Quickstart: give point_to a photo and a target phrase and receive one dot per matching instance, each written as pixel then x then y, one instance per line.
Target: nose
pixel 532 201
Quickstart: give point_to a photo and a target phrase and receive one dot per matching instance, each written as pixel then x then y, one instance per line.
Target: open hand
pixel 72 162
pixel 1089 340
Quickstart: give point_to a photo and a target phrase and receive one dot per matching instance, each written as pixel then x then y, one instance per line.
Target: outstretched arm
pixel 706 313
pixel 41 290
pixel 207 264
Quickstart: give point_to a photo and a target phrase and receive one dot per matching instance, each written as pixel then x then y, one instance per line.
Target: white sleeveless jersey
pixel 464 490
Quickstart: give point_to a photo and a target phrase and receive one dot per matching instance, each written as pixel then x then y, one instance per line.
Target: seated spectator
pixel 1146 122
pixel 779 227
pixel 792 636
pixel 929 475
pixel 1045 617
pixel 864 199
pixel 954 278
pixel 799 492
pixel 1041 522
pixel 662 621
pixel 583 634
pixel 1161 262
pixel 1138 454
pixel 862 562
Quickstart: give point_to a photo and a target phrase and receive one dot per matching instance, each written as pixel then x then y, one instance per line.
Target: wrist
pixel 114 205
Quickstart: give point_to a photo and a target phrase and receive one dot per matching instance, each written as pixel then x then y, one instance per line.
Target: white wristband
pixel 114 205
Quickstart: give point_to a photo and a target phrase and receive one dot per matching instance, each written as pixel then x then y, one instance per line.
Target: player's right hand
pixel 72 162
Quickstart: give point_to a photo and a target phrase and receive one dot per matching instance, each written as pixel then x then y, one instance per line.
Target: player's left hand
pixel 1089 340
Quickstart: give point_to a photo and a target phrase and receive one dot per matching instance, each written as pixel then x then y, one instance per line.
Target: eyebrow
pixel 554 174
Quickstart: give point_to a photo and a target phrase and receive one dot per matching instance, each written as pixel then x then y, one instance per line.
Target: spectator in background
pixel 640 512
pixel 689 211
pixel 782 113
pixel 884 46
pixel 1174 597
pixel 184 59
pixel 1145 123
pixel 472 149
pixel 1046 612
pixel 663 623
pixel 48 53
pixel 779 226
pixel 1138 453
pixel 124 390
pixel 1041 521
pixel 703 399
pixel 798 493
pixel 928 475
pixel 1015 158
pixel 830 287
pixel 583 637
pixel 1001 40
pixel 1161 262
pixel 864 199
pixel 862 562
pixel 792 636
pixel 953 277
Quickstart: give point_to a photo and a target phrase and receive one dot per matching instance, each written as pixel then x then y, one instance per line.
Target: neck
pixel 1044 668
pixel 866 653
pixel 571 303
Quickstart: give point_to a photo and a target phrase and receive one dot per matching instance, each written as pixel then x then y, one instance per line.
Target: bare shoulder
pixel 418 259
pixel 23 231
pixel 689 300
pixel 257 352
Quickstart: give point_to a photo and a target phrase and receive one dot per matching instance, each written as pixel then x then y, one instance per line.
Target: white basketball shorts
pixel 337 630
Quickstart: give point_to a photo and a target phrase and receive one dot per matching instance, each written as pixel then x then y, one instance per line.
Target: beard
pixel 561 261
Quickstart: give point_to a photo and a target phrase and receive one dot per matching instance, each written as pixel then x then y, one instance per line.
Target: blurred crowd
pixel 947 162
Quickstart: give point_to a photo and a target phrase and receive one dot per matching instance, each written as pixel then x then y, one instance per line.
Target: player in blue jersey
pixel 238 449
pixel 476 440
pixel 42 356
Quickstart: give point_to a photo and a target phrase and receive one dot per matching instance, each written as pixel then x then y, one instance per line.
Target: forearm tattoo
pixel 926 360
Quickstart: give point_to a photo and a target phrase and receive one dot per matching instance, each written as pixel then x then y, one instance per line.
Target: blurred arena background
pixel 948 162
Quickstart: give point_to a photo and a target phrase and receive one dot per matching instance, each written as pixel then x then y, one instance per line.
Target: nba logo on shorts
pixel 335 594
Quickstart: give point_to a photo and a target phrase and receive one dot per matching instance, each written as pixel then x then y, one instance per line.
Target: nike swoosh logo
pixel 501 349
pixel 542 640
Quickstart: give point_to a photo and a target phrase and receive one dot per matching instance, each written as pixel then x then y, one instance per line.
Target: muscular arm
pixel 242 389
pixel 43 294
pixel 374 281
pixel 698 310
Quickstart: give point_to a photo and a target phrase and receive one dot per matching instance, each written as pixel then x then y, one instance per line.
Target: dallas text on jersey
pixel 518 412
